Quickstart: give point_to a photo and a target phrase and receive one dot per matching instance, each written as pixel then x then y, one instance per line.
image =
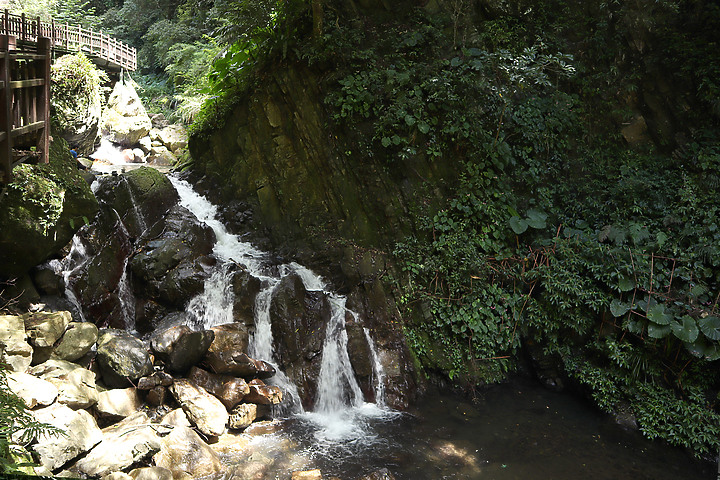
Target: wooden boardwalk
pixel 26 51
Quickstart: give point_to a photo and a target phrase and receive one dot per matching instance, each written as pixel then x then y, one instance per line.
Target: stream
pixel 517 430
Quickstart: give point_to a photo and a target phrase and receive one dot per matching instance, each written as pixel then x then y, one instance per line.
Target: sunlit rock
pixel 125 120
pixel 45 328
pixel 118 402
pixel 77 341
pixel 262 394
pixel 242 416
pixel 184 452
pixel 76 385
pixel 124 444
pixel 205 411
pixel 16 352
pixel 33 391
pixel 122 358
pixel 82 434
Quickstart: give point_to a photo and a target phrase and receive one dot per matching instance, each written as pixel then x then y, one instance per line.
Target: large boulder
pixel 262 394
pixel 173 263
pixel 42 209
pixel 76 385
pixel 81 434
pixel 14 350
pixel 205 411
pixel 141 196
pixel 76 101
pixel 245 289
pixel 242 416
pixel 77 341
pixel 179 346
pixel 118 402
pixel 125 120
pixel 32 390
pixel 173 137
pixel 124 444
pixel 229 390
pixel 227 354
pixel 299 319
pixel 45 328
pixel 184 452
pixel 122 358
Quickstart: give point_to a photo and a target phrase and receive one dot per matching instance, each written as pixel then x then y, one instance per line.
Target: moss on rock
pixel 41 209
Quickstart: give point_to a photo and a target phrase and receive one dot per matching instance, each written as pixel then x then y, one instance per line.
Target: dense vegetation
pixel 585 216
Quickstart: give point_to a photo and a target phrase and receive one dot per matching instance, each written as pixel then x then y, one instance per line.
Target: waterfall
pixel 340 412
pixel 67 267
pixel 378 371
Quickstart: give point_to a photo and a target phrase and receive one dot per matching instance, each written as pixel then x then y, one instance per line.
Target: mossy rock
pixel 41 210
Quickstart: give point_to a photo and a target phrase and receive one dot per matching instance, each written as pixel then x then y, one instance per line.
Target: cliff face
pixel 277 152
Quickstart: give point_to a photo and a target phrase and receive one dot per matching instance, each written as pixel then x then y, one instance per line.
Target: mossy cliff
pixel 506 181
pixel 41 209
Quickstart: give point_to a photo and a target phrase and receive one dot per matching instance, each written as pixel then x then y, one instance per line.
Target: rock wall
pixel 338 212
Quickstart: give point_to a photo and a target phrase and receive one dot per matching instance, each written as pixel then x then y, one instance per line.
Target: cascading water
pixel 339 401
pixel 67 267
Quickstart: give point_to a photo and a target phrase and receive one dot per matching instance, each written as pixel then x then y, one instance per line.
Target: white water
pixel 341 414
pixel 67 267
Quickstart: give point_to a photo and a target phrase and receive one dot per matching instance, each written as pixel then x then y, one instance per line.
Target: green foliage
pixel 18 428
pixel 553 231
pixel 77 85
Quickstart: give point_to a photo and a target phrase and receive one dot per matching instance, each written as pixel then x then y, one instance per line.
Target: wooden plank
pixel 33 127
pixel 33 82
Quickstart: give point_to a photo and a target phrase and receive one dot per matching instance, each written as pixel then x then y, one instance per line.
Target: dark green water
pixel 513 431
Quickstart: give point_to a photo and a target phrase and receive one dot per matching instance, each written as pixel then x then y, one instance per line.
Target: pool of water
pixel 512 431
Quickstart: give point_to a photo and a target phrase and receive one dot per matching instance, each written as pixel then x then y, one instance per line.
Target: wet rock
pixel 45 328
pixel 151 473
pixel 174 137
pixel 307 475
pixel 47 280
pixel 245 287
pixel 60 196
pixel 82 434
pixel 262 394
pixel 156 379
pixel 16 352
pixel 179 346
pixel 76 385
pixel 358 349
pixel 265 427
pixel 123 445
pixel 156 396
pixel 298 327
pixel 77 341
pixel 119 402
pixel 33 391
pixel 205 411
pixel 242 416
pixel 229 390
pixel 121 357
pixel 176 418
pixel 382 474
pixel 184 452
pixel 161 156
pixel 125 120
pixel 226 354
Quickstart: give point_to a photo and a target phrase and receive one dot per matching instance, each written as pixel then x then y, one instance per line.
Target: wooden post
pixel 6 22
pixel 45 49
pixel 23 27
pixel 6 44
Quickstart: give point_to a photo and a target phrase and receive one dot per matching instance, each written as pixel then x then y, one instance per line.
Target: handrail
pixel 75 38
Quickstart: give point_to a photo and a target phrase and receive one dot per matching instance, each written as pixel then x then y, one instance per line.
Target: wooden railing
pixel 70 38
pixel 24 104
